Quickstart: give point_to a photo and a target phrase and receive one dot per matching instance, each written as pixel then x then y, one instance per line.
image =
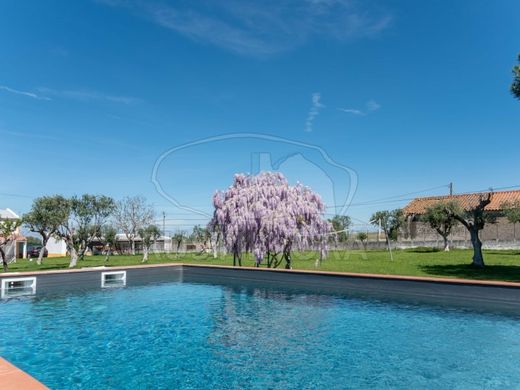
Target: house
pixel 162 244
pixel 17 248
pixel 501 231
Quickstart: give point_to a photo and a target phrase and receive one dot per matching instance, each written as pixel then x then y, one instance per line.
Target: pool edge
pixel 13 378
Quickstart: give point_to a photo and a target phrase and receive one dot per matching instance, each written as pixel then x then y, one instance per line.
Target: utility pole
pixel 450 186
pixel 164 224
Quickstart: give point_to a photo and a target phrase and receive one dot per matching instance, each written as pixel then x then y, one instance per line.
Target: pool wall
pixel 474 294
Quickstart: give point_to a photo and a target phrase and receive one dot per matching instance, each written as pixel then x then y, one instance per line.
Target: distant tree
pixel 441 218
pixel 90 213
pixel 474 219
pixel 8 229
pixel 44 218
pixel 131 215
pixel 363 237
pixel 340 224
pixel 109 239
pixel 85 216
pixel 178 238
pixel 512 213
pixel 515 85
pixel 148 236
pixel 201 235
pixel 390 222
pixel 67 231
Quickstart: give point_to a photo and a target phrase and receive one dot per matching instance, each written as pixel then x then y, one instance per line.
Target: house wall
pixel 500 231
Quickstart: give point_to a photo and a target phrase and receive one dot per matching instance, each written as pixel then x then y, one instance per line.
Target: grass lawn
pixel 500 265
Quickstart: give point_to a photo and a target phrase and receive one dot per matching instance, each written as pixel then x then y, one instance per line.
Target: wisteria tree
pixel 266 216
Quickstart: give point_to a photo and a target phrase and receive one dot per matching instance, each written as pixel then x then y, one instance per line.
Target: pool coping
pixel 454 281
pixel 12 378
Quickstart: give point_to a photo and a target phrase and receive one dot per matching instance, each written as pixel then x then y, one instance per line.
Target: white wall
pixel 56 247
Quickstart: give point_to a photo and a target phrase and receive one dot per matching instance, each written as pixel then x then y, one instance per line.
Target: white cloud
pixel 263 28
pixel 23 93
pixel 370 106
pixel 314 111
pixel 87 95
pixel 352 111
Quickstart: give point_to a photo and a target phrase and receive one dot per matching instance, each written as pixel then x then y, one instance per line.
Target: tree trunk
pixel 478 258
pixel 4 262
pixel 39 261
pixel 107 255
pixel 387 238
pixel 132 247
pixel 288 264
pixel 145 253
pixel 73 257
pixel 446 244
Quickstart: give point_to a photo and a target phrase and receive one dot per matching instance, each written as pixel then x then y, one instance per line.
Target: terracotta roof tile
pixel 466 201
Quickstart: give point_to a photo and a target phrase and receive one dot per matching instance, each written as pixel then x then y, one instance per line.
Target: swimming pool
pixel 210 333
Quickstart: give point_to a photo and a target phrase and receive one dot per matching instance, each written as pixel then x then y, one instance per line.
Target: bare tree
pixel 132 214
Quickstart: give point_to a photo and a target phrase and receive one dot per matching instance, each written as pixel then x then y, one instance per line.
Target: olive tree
pixel 131 215
pixel 45 217
pixel 201 235
pixel 8 228
pixel 340 224
pixel 109 239
pixel 149 235
pixel 363 237
pixel 390 221
pixel 512 213
pixel 440 217
pixel 474 219
pixel 86 216
pixel 178 238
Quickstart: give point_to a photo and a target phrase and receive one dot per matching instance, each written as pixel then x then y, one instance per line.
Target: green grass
pixel 500 265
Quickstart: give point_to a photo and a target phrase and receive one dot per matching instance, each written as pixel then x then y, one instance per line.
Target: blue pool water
pixel 201 336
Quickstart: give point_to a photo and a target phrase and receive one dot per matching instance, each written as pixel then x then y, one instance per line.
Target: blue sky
pixel 402 96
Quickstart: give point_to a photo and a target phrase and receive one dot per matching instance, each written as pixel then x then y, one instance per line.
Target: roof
pixel 466 201
pixel 8 214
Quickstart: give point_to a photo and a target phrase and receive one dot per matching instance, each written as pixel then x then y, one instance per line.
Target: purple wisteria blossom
pixel 266 216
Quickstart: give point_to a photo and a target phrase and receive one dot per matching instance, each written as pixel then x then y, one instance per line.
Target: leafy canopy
pixel 440 216
pixel 515 85
pixel 391 221
pixel 340 223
